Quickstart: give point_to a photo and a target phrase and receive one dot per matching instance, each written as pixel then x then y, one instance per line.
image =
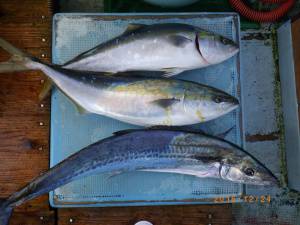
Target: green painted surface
pixel 279 113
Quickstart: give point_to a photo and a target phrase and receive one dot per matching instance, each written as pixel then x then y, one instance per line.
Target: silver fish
pixel 133 99
pixel 155 150
pixel 170 47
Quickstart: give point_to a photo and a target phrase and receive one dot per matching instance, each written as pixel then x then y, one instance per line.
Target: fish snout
pixel 216 49
pixel 269 179
pixel 227 99
pixel 226 102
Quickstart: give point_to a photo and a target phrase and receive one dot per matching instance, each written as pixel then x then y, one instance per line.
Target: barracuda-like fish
pixel 156 150
pixel 133 99
pixel 171 47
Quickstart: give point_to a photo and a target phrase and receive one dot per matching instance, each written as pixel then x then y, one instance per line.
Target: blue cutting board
pixel 70 131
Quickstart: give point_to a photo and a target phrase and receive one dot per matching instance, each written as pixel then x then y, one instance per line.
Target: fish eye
pixel 218 99
pixel 249 172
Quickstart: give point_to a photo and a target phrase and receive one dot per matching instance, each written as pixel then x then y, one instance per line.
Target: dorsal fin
pixel 160 127
pixel 177 128
pixel 127 131
pixel 133 26
pixel 191 129
pixel 174 128
pixel 140 73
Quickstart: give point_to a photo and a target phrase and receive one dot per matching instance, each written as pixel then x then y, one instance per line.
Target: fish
pixel 134 99
pixel 158 150
pixel 168 47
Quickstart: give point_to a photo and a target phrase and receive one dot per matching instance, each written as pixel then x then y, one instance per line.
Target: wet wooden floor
pixel 24 135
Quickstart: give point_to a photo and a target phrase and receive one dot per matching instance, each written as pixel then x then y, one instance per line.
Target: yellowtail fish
pixel 138 100
pixel 168 47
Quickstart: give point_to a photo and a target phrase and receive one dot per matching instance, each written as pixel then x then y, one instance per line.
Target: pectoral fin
pixel 165 103
pixel 179 41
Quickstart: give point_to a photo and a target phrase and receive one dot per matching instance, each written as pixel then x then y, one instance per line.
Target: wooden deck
pixel 24 135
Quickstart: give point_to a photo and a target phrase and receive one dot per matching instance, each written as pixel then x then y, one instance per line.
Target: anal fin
pixel 48 84
pixel 80 109
pixel 133 26
pixel 169 72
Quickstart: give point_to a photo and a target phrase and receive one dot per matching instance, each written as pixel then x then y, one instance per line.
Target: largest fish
pixel 156 150
pixel 168 47
pixel 137 100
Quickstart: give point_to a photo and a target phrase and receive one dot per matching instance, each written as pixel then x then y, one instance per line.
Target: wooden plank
pixel 17 11
pixel 158 215
pixel 24 122
pixel 36 218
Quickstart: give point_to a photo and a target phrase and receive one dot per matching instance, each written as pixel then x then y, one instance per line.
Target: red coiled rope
pixel 258 16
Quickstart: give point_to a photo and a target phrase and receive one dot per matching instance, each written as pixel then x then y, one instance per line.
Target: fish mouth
pixel 273 182
pixel 235 101
pixel 234 49
pixel 230 99
pixel 270 180
pixel 227 99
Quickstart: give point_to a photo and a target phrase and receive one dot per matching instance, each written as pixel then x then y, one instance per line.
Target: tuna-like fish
pixel 154 150
pixel 133 99
pixel 170 47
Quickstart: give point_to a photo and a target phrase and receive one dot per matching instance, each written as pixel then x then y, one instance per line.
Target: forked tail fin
pixel 19 60
pixel 5 213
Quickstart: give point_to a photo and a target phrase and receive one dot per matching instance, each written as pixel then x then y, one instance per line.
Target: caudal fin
pixel 5 213
pixel 18 60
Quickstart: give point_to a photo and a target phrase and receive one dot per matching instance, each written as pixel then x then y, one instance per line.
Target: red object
pixel 263 16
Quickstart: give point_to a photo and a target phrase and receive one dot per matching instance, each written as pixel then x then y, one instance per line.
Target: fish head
pixel 246 169
pixel 207 103
pixel 215 48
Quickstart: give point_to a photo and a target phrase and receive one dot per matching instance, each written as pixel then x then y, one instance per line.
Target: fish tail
pixel 5 212
pixel 19 61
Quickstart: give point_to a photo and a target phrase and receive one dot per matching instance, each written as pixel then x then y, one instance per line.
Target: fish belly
pixel 150 54
pixel 140 110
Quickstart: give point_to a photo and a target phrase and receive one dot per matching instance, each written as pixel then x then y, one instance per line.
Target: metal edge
pixel 289 104
pixel 65 204
pixel 242 107
pixel 147 14
pixel 51 161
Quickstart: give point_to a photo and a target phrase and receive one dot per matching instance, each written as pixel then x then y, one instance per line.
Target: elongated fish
pixel 137 100
pixel 170 47
pixel 155 150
